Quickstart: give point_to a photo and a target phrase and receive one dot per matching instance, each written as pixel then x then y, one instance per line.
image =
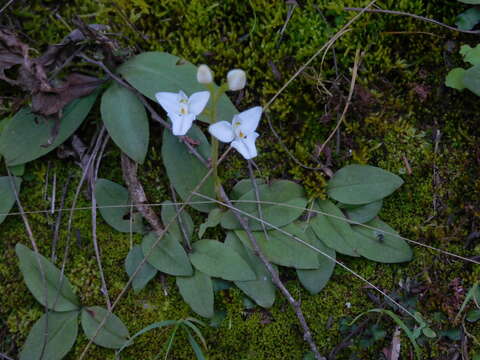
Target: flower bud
pixel 204 74
pixel 236 79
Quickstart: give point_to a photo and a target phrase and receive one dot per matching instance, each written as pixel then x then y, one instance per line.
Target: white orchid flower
pixel 181 109
pixel 241 132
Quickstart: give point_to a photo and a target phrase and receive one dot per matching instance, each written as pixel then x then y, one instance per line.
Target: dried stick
pixel 135 188
pixel 418 17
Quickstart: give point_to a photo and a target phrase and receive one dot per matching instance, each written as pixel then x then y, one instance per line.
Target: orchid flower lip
pixel 181 109
pixel 240 132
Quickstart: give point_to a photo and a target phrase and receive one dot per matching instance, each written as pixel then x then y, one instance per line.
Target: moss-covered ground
pixel 402 118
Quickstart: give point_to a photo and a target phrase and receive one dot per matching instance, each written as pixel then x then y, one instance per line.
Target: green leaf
pixel 62 330
pixel 214 218
pixel 282 249
pixel 58 298
pixel 283 192
pixel 155 325
pixel 334 232
pixel 152 72
pixel 468 19
pixel 197 291
pixel 473 315
pixel 110 198
pixel 242 187
pixel 473 2
pixel 17 170
pixel 126 120
pixel 216 259
pixel 113 334
pixel 454 79
pixel 315 280
pixel 168 213
pixel 146 273
pixel 471 80
pixel 195 347
pixel 261 290
pixel 168 255
pixel 27 136
pixel 471 55
pixel 184 170
pixel 377 245
pixel 429 333
pixel 364 213
pixel 7 195
pixel 452 334
pixel 362 184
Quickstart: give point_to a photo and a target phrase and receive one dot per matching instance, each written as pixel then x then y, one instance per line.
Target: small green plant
pixel 54 334
pixel 188 325
pixel 460 78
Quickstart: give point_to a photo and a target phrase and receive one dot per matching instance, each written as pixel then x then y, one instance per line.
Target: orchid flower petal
pixel 223 131
pixel 181 123
pixel 249 119
pixel 169 101
pixel 246 146
pixel 198 101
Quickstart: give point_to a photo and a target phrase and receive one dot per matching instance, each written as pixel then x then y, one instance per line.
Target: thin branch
pixel 257 196
pixel 6 6
pixel 135 189
pixel 181 224
pixel 94 223
pixel 58 220
pixel 307 334
pixel 418 17
pixel 349 99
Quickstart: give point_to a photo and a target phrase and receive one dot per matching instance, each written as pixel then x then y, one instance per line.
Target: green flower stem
pixel 215 96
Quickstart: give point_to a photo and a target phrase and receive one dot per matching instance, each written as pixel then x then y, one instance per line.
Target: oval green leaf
pixel 378 246
pixel 454 79
pixel 126 120
pixel 114 203
pixel 146 273
pixel 362 184
pixel 27 136
pixel 332 230
pixel 197 291
pixel 261 290
pixel 152 72
pixel 168 255
pixel 168 212
pixel 314 280
pixel 283 192
pixel 7 196
pixel 58 298
pixel 363 213
pixel 216 259
pixel 184 170
pixel 113 334
pixel 282 249
pixel 468 19
pixel 471 79
pixel 62 329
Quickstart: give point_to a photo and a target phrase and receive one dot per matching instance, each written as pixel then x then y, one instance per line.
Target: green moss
pixel 399 104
